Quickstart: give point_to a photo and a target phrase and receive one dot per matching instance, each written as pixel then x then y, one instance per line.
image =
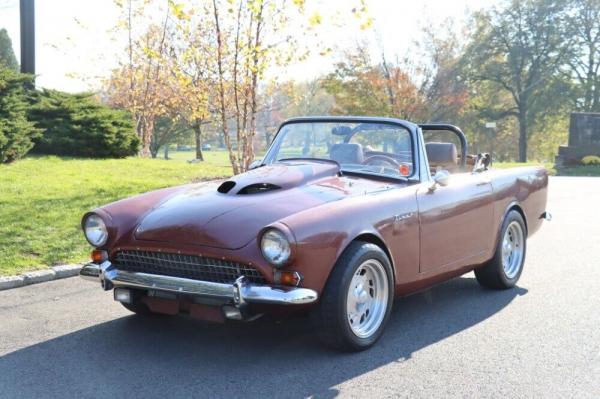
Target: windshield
pixel 371 148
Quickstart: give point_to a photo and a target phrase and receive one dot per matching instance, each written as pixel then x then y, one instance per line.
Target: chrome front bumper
pixel 238 293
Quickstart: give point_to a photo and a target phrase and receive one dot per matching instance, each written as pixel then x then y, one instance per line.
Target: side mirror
pixel 255 164
pixel 441 178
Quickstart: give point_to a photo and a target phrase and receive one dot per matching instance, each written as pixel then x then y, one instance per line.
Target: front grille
pixel 186 266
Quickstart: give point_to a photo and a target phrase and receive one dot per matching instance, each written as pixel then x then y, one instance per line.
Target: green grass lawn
pixel 42 200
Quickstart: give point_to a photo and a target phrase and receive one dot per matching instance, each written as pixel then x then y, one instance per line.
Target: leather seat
pixel 347 153
pixel 443 155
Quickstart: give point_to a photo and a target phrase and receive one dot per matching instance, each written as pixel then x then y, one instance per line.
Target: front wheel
pixel 357 300
pixel 505 268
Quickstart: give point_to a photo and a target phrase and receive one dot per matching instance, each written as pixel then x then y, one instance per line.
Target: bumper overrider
pixel 239 293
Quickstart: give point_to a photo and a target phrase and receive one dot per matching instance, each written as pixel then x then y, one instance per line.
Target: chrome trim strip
pixel 239 293
pixel 90 272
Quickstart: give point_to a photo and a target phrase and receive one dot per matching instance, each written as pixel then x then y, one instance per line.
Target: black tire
pixel 330 319
pixel 492 274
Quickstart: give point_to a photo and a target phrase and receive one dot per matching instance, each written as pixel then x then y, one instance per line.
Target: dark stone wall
pixel 584 139
pixel 584 130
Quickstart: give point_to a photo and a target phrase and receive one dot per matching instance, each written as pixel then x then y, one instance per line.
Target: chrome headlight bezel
pixel 94 230
pixel 275 247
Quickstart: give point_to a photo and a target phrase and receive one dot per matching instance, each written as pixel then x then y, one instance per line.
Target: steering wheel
pixel 383 158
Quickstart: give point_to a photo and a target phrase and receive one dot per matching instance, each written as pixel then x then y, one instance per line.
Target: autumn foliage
pixel 217 69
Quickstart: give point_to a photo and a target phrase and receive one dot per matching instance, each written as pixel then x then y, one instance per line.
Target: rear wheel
pixel 505 268
pixel 357 300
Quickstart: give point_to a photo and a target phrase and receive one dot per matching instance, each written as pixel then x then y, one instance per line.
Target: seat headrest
pixel 442 154
pixel 347 153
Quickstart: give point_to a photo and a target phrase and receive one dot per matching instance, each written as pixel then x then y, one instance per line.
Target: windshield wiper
pixel 309 159
pixel 369 172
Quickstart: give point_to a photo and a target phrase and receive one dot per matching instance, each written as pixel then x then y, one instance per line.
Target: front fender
pixel 323 233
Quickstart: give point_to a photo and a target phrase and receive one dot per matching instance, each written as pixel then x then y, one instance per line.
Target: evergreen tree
pixel 7 55
pixel 16 132
pixel 76 125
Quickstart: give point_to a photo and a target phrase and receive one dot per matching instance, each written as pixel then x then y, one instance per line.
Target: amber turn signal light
pixel 285 277
pixel 404 169
pixel 99 256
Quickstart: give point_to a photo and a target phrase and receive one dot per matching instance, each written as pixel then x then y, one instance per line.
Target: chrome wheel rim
pixel 512 249
pixel 367 298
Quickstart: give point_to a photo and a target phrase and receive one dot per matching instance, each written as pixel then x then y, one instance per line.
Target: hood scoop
pixel 276 177
pixel 225 187
pixel 256 188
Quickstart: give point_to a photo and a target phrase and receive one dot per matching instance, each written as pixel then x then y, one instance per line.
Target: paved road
pixel 66 338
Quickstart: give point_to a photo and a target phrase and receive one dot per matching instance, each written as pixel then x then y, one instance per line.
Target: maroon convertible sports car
pixel 341 215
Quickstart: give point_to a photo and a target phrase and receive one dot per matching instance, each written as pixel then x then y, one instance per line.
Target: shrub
pixel 76 125
pixel 16 132
pixel 590 160
pixel 7 54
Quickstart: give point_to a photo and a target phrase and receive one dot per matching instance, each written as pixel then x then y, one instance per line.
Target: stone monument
pixel 584 138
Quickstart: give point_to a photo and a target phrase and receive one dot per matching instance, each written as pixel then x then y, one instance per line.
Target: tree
pixel 445 92
pixel 242 55
pixel 77 125
pixel 251 36
pixel 519 49
pixel 7 54
pixel 281 101
pixel 138 84
pixel 583 24
pixel 167 130
pixel 361 87
pixel 191 81
pixel 16 131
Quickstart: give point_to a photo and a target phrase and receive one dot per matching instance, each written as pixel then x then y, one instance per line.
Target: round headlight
pixel 95 230
pixel 275 247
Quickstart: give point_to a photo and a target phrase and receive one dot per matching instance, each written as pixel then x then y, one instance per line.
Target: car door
pixel 455 222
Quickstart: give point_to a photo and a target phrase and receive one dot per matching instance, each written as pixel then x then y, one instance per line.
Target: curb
pixel 39 276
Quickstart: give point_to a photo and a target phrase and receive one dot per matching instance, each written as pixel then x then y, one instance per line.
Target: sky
pixel 77 47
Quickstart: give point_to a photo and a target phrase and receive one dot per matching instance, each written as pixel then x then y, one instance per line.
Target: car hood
pixel 230 214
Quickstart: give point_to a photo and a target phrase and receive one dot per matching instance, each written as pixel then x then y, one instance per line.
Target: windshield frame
pixel 411 128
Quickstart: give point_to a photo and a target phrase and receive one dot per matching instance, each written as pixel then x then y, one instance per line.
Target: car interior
pixel 442 156
pixel 387 151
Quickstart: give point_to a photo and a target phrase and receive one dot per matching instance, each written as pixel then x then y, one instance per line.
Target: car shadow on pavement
pixel 175 356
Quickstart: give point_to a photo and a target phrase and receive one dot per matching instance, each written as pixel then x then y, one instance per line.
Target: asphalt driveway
pixel 67 338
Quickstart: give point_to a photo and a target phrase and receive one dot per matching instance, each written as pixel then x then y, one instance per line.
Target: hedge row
pixel 53 122
pixel 17 132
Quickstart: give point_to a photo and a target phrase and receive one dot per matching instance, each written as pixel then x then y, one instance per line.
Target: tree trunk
pixel 221 90
pixel 167 151
pixel 596 97
pixel 522 136
pixel 248 151
pixel 145 130
pixel 154 148
pixel 198 136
